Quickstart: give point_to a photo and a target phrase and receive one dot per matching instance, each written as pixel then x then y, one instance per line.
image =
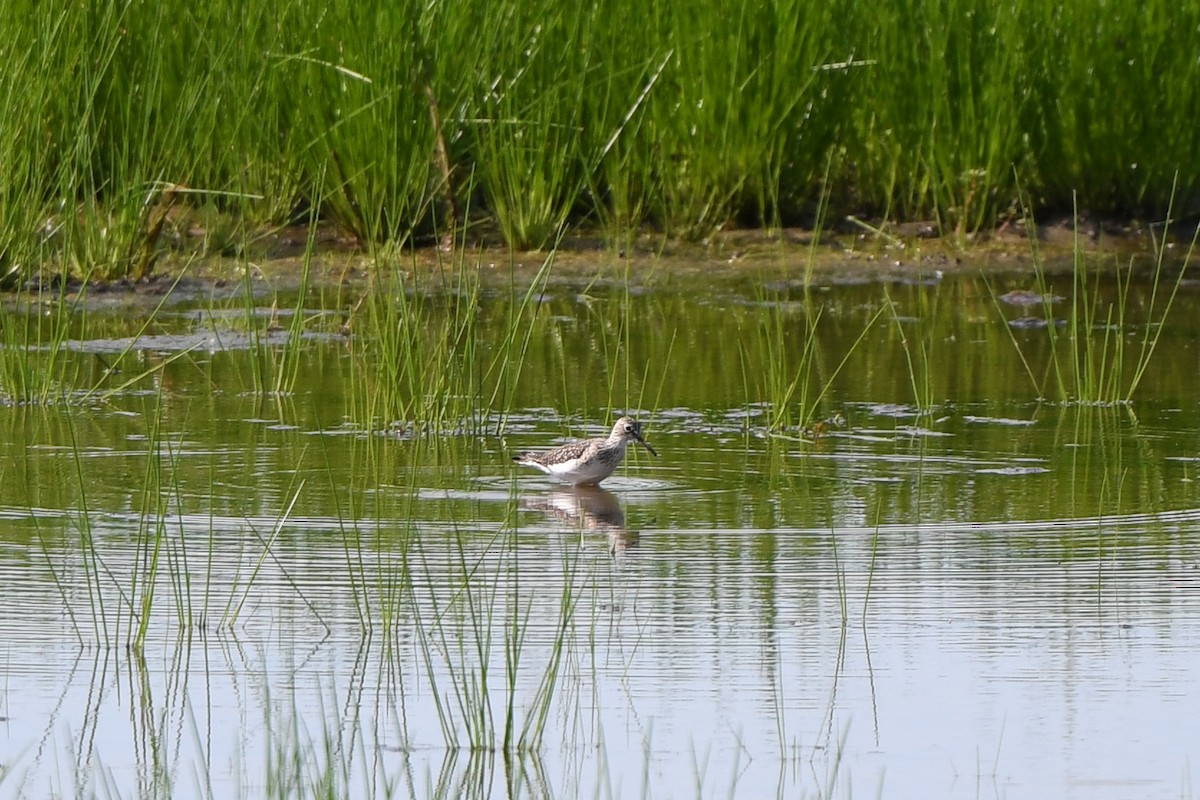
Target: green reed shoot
pixel 234 609
pixel 60 579
pixel 303 761
pixel 35 364
pixel 1098 367
pixel 289 367
pixel 787 387
pixel 27 94
pixel 263 363
pixel 370 127
pixel 1096 332
pixel 160 555
pixel 422 354
pixel 619 182
pixel 478 604
pixel 154 552
pixel 527 134
pixel 460 632
pixel 421 367
pixel 530 738
pixel 504 369
pixel 1160 307
pixel 917 351
pixel 352 548
pixel 148 545
pixel 92 564
pixel 690 116
pixel 793 385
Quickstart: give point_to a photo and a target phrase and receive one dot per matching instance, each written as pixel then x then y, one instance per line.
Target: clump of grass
pixel 689 116
pixel 1098 366
pixel 39 362
pixel 27 154
pixel 419 353
pixel 938 117
pixel 1113 151
pixel 481 599
pixel 303 759
pixel 793 385
pixel 742 116
pixel 423 357
pixel 372 133
pixel 128 597
pixel 35 365
pixel 527 134
pixel 619 181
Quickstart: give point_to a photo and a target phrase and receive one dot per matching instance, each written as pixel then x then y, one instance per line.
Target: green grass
pixel 917 338
pixel 471 616
pixel 159 577
pixel 790 371
pixel 40 365
pixel 35 364
pixel 424 360
pixel 1100 353
pixel 120 125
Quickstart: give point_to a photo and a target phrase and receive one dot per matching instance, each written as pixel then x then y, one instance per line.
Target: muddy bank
pixel 854 251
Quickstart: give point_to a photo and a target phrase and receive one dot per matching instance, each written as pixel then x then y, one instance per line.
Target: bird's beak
pixel 646 445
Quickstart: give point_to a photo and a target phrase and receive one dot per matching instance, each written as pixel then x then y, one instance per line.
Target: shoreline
pixel 852 252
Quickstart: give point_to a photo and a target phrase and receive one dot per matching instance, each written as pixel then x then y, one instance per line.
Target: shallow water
pixel 952 588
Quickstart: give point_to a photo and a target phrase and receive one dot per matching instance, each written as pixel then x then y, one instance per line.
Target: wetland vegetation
pixel 131 128
pixel 294 290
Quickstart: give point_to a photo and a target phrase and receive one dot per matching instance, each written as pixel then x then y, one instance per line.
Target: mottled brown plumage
pixel 589 461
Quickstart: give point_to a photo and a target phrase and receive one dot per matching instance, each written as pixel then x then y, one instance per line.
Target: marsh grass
pixel 506 364
pixel 938 126
pixel 276 361
pixel 741 119
pixel 387 604
pixel 793 385
pixel 426 363
pixel 1099 456
pixel 122 607
pixel 317 755
pixel 35 365
pixel 151 538
pixel 165 579
pixel 1092 358
pixel 528 130
pixel 240 595
pixel 290 355
pixel 786 387
pixel 29 161
pixel 688 116
pixel 624 376
pixel 917 346
pixel 265 362
pixel 40 365
pixel 418 354
pixel 370 127
pixel 620 183
pixel 467 617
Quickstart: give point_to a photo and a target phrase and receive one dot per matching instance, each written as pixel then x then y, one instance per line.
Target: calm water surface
pixel 953 588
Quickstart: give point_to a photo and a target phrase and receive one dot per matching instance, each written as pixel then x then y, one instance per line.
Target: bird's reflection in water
pixel 590 509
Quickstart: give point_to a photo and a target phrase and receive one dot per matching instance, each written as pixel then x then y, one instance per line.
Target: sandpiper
pixel 589 461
